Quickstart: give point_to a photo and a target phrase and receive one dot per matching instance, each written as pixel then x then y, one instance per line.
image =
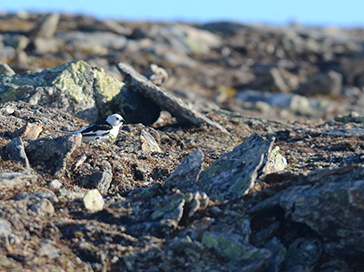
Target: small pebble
pixel 93 201
pixel 55 184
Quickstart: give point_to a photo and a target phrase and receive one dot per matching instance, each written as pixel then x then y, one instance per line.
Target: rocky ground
pixel 247 158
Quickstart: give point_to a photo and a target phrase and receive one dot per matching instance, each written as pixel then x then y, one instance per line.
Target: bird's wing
pixel 101 126
pixel 97 130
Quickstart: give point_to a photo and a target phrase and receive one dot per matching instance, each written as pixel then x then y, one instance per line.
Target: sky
pixel 349 13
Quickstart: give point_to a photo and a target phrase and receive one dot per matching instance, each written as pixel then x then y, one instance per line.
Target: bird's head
pixel 115 119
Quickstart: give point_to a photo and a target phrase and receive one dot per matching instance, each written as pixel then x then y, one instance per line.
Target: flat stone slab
pixel 165 100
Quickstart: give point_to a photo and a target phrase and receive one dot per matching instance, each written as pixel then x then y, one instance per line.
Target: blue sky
pixel 325 12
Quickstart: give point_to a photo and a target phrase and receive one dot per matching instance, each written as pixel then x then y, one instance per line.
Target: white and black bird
pixel 105 129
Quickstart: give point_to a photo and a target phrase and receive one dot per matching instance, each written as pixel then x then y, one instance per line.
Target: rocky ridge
pixel 229 193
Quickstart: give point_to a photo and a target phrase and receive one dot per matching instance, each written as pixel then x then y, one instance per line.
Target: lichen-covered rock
pixel 332 209
pixel 242 255
pixel 234 173
pixel 76 87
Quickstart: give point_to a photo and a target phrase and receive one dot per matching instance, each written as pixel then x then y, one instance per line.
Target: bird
pixel 104 129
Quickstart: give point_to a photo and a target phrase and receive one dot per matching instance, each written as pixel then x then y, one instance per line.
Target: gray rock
pixel 15 150
pixel 301 105
pixel 99 41
pixel 351 91
pixel 33 197
pixel 276 162
pixel 196 40
pixel 187 173
pixel 11 180
pixel 101 180
pixel 303 254
pixel 157 75
pixel 46 27
pixel 148 143
pixel 19 42
pixel 234 173
pixel 115 27
pixel 47 248
pixel 269 80
pixel 242 255
pixel 296 103
pixel 53 154
pixel 55 184
pixel 43 207
pixel 6 233
pixel 329 83
pixel 7 53
pixel 46 45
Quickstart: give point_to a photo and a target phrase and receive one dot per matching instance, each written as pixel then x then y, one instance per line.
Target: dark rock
pixel 335 265
pixel 269 80
pixel 329 202
pixel 15 150
pixel 187 173
pixel 135 108
pixel 329 83
pixel 279 254
pixel 53 153
pixel 101 180
pixel 163 99
pixel 226 28
pixel 19 42
pixel 303 254
pixel 262 237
